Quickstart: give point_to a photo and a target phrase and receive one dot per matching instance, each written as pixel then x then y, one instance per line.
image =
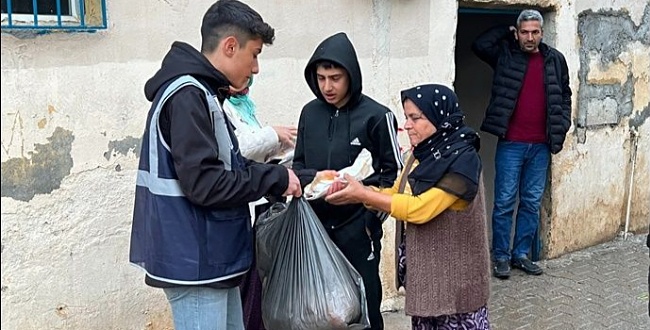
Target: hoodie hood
pixel 337 49
pixel 183 59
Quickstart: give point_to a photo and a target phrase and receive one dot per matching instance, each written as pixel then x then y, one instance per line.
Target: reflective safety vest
pixel 173 240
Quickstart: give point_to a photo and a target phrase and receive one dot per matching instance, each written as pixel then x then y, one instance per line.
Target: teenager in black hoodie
pixel 332 131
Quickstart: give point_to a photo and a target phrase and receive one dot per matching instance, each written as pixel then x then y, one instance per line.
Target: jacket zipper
pixel 548 112
pixel 332 129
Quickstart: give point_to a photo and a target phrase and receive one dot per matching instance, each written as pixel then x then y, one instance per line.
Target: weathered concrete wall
pixel 591 178
pixel 73 113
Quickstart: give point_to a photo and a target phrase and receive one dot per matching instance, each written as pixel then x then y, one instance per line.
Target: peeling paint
pixel 41 123
pixel 606 32
pixel 612 74
pixel 640 118
pixel 123 147
pixel 604 112
pixel 42 171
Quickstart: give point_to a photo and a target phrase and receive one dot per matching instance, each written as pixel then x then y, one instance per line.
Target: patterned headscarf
pixel 448 159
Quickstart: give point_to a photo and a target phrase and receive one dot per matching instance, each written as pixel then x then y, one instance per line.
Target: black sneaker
pixel 502 269
pixel 527 266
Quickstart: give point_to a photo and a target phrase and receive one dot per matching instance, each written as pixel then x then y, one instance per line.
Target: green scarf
pixel 245 105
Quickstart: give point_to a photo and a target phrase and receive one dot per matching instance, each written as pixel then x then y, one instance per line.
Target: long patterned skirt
pixel 477 320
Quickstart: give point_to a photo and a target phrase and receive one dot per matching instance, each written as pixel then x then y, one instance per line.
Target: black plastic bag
pixel 307 282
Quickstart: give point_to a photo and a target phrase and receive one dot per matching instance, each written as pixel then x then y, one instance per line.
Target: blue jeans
pixel 202 308
pixel 521 170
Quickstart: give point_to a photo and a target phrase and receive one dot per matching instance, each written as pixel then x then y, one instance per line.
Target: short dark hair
pixel 232 17
pixel 325 64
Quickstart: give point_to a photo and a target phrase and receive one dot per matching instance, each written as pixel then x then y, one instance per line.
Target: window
pixel 54 14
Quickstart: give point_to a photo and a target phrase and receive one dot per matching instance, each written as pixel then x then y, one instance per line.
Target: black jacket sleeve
pixel 305 175
pixel 186 126
pixel 386 158
pixel 488 44
pixel 566 94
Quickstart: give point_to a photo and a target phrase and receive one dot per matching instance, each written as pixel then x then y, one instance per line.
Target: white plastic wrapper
pixel 284 158
pixel 360 169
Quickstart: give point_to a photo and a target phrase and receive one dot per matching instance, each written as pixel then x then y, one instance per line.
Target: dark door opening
pixel 474 81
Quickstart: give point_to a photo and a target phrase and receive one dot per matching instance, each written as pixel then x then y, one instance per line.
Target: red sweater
pixel 528 120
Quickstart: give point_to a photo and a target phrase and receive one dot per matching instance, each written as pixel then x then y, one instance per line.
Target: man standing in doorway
pixel 333 129
pixel 530 113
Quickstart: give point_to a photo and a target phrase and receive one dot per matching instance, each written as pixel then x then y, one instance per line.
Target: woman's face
pixel 235 90
pixel 417 125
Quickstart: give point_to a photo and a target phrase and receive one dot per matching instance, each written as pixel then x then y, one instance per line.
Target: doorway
pixel 473 86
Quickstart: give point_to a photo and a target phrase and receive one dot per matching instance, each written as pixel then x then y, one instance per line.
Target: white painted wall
pixel 65 253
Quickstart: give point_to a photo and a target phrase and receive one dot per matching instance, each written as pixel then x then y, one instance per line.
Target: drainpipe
pixel 634 141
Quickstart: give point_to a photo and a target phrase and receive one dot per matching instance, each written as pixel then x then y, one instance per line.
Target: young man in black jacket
pixel 332 131
pixel 191 223
pixel 530 113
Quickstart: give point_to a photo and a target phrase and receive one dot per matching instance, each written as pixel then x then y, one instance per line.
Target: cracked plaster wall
pixel 591 177
pixel 73 113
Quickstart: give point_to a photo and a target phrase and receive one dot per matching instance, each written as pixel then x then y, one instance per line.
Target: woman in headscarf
pixel 256 142
pixel 261 144
pixel 439 195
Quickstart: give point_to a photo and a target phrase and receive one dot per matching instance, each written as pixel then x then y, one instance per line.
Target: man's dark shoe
pixel 527 266
pixel 502 269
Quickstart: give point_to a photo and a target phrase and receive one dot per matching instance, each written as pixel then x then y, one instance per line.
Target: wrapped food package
pixel 360 169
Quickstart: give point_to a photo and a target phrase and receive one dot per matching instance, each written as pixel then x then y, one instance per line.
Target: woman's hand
pixel 286 136
pixel 352 193
pixel 337 185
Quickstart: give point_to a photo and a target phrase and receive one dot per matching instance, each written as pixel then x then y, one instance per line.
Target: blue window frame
pixel 43 15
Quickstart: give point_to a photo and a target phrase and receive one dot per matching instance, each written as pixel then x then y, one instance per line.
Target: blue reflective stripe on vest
pixel 172 239
pixel 159 186
pixel 223 141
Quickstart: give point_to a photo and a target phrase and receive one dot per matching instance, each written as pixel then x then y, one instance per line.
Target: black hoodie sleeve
pixel 386 158
pixel 487 45
pixel 305 175
pixel 186 126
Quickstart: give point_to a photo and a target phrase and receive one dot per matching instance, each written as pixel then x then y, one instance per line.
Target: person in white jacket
pixel 257 142
pixel 262 144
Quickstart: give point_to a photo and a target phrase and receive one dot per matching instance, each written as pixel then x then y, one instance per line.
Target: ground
pixel 602 287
